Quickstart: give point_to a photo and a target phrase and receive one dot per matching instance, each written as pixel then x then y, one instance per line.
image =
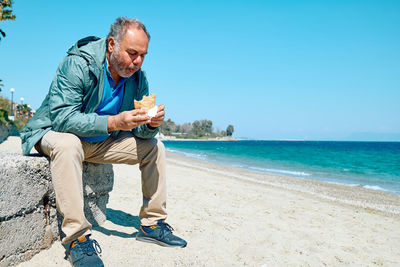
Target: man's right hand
pixel 127 120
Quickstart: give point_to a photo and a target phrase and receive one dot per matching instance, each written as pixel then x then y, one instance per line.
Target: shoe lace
pixel 90 247
pixel 166 229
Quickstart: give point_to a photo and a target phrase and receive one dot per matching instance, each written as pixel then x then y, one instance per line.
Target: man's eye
pixel 132 53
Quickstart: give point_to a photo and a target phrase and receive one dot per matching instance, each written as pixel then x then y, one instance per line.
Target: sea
pixel 373 165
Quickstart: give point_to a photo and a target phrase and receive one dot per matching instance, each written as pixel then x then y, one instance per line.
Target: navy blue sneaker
pixel 84 252
pixel 160 234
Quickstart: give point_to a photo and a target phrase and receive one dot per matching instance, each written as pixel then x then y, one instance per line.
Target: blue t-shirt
pixel 111 101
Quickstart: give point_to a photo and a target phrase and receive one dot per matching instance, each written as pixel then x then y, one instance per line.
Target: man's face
pixel 127 56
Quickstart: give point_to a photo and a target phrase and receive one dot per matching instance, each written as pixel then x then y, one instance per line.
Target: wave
pixel 252 168
pixel 188 154
pixel 277 171
pixel 375 187
pixel 341 183
pixel 372 187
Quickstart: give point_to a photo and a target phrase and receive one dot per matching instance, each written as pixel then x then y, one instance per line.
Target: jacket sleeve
pixel 66 98
pixel 143 131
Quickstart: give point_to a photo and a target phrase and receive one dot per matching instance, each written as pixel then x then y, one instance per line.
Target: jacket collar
pixel 93 50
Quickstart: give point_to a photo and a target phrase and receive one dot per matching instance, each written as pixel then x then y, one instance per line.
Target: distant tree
pixel 23 108
pixel 206 126
pixel 168 127
pixel 196 128
pixel 5 13
pixel 202 128
pixel 186 128
pixel 229 130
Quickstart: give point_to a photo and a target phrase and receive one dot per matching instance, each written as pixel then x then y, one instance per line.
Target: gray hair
pixel 120 26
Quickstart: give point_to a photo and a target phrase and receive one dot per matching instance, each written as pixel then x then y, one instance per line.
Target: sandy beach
pixel 234 217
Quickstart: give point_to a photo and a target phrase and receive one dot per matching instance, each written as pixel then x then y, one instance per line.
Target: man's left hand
pixel 158 119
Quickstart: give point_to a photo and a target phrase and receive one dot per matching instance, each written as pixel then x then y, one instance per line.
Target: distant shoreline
pixel 168 138
pixel 172 138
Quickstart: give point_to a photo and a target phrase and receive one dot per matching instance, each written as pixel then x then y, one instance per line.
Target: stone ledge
pixel 28 217
pixel 4 132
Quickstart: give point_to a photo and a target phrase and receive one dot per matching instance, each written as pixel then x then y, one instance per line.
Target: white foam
pixel 188 154
pixel 346 184
pixel 277 171
pixel 267 170
pixel 374 187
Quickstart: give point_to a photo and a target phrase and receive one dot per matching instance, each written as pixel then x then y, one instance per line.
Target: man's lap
pixel 125 148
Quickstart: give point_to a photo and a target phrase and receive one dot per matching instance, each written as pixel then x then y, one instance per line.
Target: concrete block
pixel 4 132
pixel 28 216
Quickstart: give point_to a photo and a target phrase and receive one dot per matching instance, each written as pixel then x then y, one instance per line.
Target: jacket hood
pixel 92 49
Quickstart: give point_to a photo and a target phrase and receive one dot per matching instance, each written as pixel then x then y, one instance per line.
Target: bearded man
pixel 88 115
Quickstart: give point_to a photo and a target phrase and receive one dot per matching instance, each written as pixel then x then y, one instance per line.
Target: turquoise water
pixel 374 165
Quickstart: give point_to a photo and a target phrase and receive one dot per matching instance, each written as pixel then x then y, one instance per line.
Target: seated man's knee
pixel 68 144
pixel 153 145
pixel 157 144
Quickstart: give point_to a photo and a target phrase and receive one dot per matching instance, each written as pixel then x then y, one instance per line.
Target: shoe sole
pixel 70 261
pixel 158 242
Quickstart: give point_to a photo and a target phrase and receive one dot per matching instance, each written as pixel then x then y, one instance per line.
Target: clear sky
pixel 278 69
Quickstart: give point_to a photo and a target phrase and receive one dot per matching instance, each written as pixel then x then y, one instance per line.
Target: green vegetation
pixel 199 129
pixel 22 113
pixel 5 13
pixel 229 130
pixel 5 104
pixel 4 117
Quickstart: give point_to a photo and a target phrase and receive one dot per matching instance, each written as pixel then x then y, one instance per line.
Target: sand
pixel 233 217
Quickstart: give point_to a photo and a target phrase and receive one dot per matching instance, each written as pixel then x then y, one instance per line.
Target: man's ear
pixel 111 44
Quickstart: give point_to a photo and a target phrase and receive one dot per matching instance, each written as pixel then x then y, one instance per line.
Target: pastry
pixel 147 102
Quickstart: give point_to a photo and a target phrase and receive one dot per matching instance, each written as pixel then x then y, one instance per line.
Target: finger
pixel 160 115
pixel 139 111
pixel 161 107
pixel 143 121
pixel 158 122
pixel 146 122
pixel 139 118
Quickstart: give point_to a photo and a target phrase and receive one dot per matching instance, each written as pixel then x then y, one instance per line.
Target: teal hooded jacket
pixel 75 93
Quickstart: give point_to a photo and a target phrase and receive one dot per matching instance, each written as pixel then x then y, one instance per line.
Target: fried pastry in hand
pixel 147 102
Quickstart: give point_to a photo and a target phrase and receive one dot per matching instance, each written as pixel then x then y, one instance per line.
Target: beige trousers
pixel 67 152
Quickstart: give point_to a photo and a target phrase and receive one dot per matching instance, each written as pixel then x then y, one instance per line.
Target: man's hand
pixel 127 120
pixel 159 118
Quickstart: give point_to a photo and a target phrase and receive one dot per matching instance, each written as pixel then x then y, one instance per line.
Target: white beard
pixel 116 64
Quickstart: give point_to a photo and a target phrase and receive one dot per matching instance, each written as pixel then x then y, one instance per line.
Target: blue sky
pixel 314 70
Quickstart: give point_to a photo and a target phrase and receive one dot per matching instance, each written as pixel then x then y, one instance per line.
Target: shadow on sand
pixel 120 218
